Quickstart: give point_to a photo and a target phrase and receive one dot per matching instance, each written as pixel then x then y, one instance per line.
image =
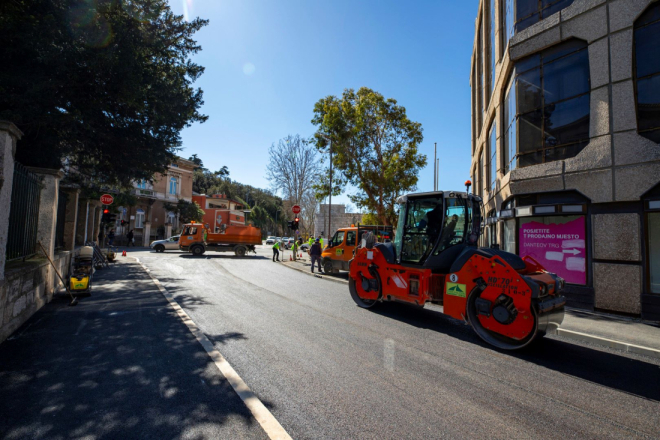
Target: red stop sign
pixel 107 199
pixel 296 209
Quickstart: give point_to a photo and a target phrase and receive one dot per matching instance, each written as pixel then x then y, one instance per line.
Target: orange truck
pixel 198 238
pixel 339 252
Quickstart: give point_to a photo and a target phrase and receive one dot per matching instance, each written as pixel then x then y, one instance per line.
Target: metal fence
pixel 61 219
pixel 23 214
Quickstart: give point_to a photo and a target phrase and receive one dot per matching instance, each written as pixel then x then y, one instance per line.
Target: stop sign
pixel 107 199
pixel 296 209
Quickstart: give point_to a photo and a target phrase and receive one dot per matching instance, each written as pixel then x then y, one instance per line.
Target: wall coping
pixel 48 171
pixel 11 128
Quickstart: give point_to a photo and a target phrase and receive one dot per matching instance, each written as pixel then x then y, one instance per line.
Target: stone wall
pixel 340 219
pixel 26 289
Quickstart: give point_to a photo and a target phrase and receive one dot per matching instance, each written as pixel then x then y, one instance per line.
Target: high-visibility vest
pixel 311 241
pixel 321 240
pixel 276 245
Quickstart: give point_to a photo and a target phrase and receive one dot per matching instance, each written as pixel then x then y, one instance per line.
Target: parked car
pixel 270 240
pixel 288 243
pixel 304 246
pixel 169 244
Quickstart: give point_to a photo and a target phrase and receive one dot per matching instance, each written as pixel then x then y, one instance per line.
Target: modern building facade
pixel 566 143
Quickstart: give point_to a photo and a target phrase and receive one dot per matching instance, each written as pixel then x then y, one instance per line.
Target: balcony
pixel 145 193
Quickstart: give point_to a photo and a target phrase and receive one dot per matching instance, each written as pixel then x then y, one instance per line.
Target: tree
pixel 102 88
pixel 374 147
pixel 370 219
pixel 188 212
pixel 293 168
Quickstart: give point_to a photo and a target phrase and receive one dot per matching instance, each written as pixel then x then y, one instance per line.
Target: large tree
pixel 374 147
pixel 100 87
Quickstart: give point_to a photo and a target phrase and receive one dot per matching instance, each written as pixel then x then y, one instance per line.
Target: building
pixel 149 219
pixel 339 218
pixel 219 210
pixel 565 143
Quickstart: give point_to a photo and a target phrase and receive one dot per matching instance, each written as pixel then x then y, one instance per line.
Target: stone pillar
pixel 50 181
pixel 95 220
pixel 81 222
pixel 168 230
pixel 9 134
pixel 71 218
pixel 146 233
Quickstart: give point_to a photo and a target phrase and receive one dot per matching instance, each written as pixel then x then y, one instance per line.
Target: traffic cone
pixel 123 253
pixel 290 258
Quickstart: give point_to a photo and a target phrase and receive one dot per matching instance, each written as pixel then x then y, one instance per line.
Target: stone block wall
pixel 27 288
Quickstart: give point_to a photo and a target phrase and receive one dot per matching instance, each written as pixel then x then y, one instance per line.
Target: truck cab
pixel 340 248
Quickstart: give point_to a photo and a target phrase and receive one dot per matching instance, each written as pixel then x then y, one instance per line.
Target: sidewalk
pixel 120 364
pixel 613 331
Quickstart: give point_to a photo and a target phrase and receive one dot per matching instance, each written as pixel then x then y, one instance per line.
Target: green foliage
pixel 374 147
pixel 188 211
pixel 101 87
pixel 370 219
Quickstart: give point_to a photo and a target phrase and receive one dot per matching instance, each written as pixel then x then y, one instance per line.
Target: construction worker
pixel 276 251
pixel 315 254
pixel 311 241
pixel 320 240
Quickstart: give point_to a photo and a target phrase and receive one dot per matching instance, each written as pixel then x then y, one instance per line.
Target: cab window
pixel 337 239
pixel 455 224
pixel 350 238
pixel 190 230
pixel 422 227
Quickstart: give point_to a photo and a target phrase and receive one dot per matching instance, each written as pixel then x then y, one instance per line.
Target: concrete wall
pixel 340 219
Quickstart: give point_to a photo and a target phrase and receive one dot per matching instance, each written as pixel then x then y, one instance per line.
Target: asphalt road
pixel 328 369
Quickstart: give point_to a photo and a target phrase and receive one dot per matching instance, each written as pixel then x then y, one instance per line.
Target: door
pixel 349 248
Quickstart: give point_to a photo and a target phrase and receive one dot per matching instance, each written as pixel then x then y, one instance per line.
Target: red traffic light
pixel 106 211
pixel 297 220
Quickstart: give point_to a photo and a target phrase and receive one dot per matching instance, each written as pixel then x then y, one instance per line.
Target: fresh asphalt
pixel 328 369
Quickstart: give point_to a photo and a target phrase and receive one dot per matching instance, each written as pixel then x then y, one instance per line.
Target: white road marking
pixel 265 418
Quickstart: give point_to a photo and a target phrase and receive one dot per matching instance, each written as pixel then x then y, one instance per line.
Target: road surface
pixel 328 369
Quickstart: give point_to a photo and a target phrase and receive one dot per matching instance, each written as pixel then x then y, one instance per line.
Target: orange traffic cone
pixel 123 253
pixel 290 258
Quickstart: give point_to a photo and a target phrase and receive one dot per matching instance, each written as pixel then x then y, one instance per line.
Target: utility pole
pixel 437 175
pixel 330 202
pixel 435 169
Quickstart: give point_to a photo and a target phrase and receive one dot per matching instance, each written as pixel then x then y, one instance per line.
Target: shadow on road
pixel 120 364
pixel 604 368
pixel 225 257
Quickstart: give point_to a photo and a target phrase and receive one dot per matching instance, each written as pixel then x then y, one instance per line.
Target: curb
pixel 336 280
pixel 610 343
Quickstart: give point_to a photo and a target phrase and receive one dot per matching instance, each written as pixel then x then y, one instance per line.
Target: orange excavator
pixel 509 301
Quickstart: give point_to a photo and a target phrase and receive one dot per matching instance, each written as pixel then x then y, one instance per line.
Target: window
pixel 493 159
pixel 174 183
pixel 654 251
pixel 142 184
pixel 647 72
pixel 509 236
pixel 552 92
pixel 509 138
pixel 350 238
pixel 338 238
pixel 529 12
pixel 139 219
pixel 480 172
pixel 507 23
pixel 480 81
pixel 493 54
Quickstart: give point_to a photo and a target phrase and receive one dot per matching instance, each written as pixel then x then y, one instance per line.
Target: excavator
pixel 509 301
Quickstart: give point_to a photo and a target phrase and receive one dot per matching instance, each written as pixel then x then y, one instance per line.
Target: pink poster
pixel 559 247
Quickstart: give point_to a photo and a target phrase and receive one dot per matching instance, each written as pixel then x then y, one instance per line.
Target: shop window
pixel 550 97
pixel 558 243
pixel 647 72
pixel 529 12
pixel 654 251
pixel 139 219
pixel 492 167
pixel 509 236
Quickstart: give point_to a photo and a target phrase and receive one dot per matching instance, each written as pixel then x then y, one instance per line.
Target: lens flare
pixel 187 9
pixel 89 26
pixel 248 68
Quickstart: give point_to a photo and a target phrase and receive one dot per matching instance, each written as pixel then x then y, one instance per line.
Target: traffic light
pixel 123 222
pixel 107 217
pixel 296 224
pixel 290 225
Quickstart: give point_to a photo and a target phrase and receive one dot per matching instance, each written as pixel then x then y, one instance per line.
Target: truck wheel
pixel 240 251
pixel 197 250
pixel 327 266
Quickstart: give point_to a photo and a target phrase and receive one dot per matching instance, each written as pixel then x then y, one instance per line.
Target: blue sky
pixel 267 63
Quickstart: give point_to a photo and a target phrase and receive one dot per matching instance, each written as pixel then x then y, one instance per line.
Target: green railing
pixel 23 214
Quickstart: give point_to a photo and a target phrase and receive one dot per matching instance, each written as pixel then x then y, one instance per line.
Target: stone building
pixel 149 215
pixel 339 218
pixel 565 143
